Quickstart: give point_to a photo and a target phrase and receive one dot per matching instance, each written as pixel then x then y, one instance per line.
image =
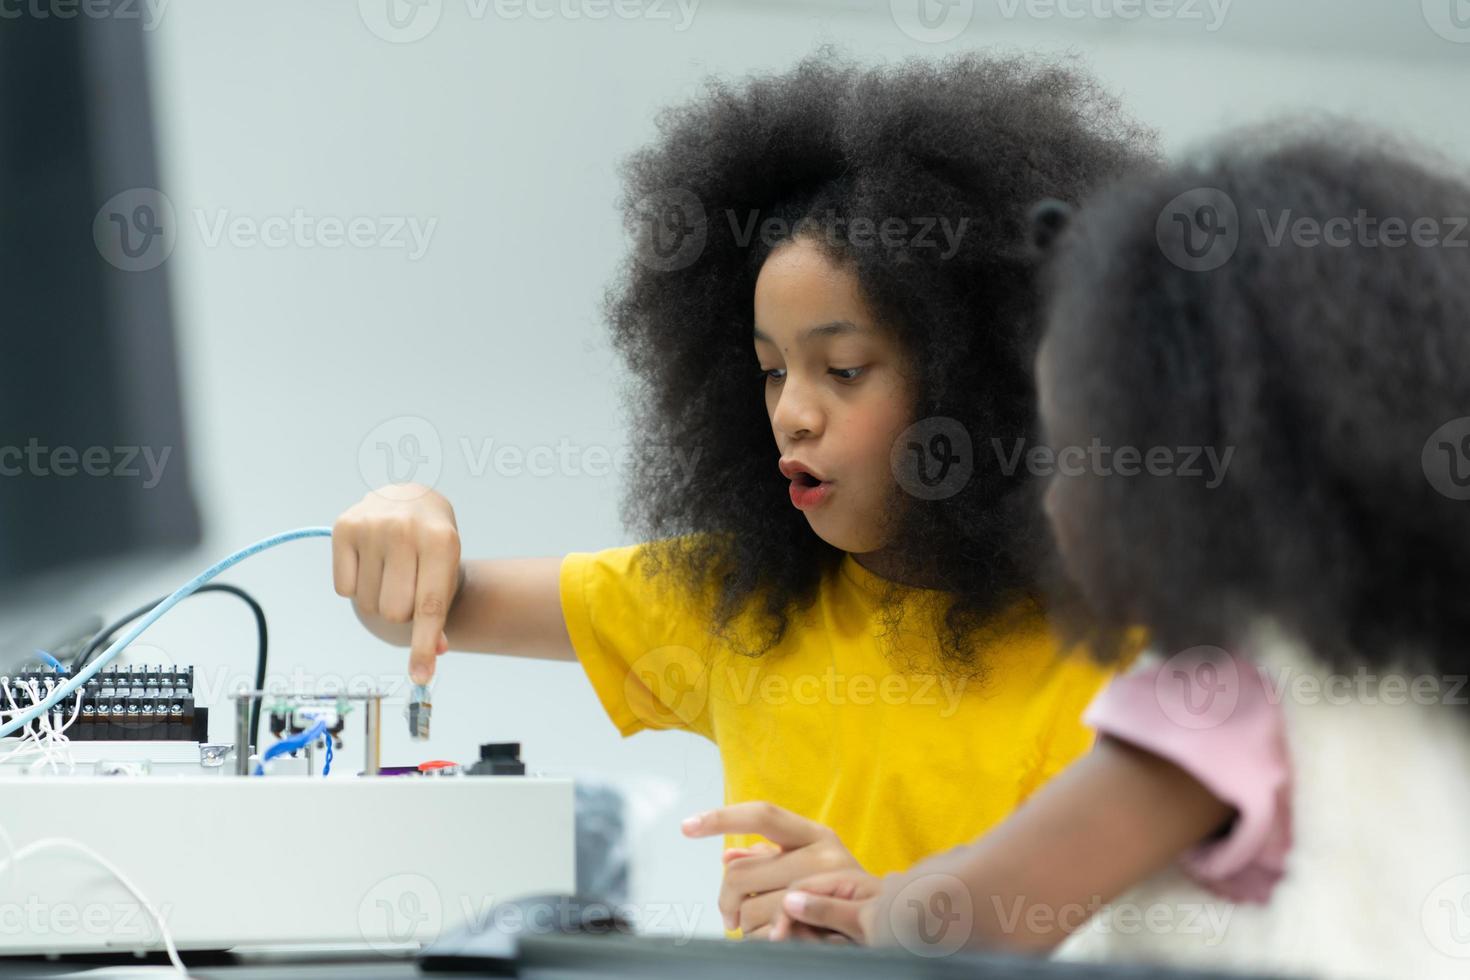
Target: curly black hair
pixel 1330 361
pixel 972 138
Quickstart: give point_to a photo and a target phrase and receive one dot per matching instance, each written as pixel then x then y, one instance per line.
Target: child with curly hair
pixel 831 312
pixel 1281 786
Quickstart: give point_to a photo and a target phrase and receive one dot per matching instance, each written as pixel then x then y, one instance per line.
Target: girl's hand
pixel 834 907
pixel 397 558
pixel 757 877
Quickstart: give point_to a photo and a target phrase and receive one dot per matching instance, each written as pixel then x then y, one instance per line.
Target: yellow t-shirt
pixel 901 764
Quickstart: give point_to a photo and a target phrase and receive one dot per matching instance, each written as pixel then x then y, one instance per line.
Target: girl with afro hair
pixel 829 313
pixel 1280 785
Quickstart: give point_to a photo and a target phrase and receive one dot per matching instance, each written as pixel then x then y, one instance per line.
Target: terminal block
pixel 135 703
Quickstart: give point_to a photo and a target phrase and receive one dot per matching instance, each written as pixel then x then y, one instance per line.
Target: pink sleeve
pixel 1215 719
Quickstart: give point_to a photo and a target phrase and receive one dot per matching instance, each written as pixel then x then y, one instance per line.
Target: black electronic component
pixel 499 759
pixel 135 704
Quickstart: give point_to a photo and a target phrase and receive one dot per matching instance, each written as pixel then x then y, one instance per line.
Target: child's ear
pixel 1046 221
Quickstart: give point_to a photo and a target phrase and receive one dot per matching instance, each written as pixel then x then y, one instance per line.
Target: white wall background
pixel 506 132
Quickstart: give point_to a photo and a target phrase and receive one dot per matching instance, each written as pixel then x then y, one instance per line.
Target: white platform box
pixel 383 862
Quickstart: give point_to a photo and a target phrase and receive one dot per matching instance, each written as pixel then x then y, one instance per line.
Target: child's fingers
pixel 752 876
pixel 438 575
pixel 758 912
pixel 825 912
pixel 762 873
pixel 344 558
pixel 734 890
pixel 834 884
pixel 731 853
pixel 780 826
pixel 400 578
pixel 787 929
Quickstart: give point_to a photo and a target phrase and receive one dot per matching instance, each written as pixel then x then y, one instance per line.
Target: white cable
pixel 29 743
pixel 32 741
pixel 49 738
pixel 45 734
pixel 66 843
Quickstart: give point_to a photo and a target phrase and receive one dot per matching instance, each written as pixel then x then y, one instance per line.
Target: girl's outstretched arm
pixel 1109 821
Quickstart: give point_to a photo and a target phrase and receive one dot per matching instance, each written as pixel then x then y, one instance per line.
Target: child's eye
pixel 845 374
pixel 773 375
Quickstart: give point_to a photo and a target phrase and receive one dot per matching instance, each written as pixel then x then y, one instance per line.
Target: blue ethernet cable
pixel 296 742
pixel 50 661
pixel 62 691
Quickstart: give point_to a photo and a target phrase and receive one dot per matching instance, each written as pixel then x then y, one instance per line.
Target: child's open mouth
pixel 807 490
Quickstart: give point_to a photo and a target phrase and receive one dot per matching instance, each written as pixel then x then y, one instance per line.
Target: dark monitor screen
pixel 94 469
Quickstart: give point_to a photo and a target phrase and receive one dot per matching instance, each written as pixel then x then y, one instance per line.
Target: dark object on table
pixel 499 759
pixel 491 946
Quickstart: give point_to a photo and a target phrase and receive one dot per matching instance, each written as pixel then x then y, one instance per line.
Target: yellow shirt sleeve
pixel 1076 682
pixel 641 640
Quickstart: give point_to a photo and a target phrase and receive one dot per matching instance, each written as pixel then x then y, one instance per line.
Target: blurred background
pixel 455 334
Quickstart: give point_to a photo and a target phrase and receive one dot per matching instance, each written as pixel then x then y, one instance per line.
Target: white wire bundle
pixel 41 735
pixel 16 855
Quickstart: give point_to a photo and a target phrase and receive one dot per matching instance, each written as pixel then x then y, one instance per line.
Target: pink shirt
pixel 1216 720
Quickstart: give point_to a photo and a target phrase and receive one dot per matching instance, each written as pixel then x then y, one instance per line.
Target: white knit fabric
pixel 1377 881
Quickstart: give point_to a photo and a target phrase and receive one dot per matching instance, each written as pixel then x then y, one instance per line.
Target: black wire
pixel 103 638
